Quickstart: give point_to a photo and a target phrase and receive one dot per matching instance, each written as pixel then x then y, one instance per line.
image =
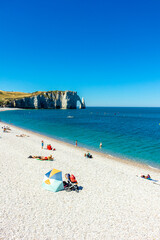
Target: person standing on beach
pixel 42 144
pixel 76 143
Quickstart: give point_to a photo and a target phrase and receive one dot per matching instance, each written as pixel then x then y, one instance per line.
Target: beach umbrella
pixel 53 180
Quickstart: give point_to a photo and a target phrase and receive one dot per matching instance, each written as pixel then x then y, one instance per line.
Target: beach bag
pixel 73 179
pixel 65 184
pixel 49 147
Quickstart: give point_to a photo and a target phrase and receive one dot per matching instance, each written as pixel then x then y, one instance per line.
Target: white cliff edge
pixel 52 100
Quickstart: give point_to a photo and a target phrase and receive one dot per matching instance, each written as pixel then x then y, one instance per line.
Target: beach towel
pixel 44 159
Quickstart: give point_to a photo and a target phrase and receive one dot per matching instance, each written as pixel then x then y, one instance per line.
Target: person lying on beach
pixel 42 157
pixel 22 135
pixel 6 128
pixel 146 177
pixel 88 155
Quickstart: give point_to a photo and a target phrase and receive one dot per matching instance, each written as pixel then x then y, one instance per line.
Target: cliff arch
pixel 81 103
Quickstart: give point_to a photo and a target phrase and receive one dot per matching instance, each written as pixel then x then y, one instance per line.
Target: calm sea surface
pixel 132 133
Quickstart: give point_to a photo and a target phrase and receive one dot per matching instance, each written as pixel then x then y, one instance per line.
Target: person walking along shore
pixel 42 144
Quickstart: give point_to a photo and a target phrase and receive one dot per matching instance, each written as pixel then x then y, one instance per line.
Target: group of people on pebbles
pixel 49 147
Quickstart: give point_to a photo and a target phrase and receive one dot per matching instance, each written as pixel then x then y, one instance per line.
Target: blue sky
pixel 107 51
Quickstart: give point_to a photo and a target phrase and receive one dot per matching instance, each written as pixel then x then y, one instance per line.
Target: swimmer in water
pixel 100 145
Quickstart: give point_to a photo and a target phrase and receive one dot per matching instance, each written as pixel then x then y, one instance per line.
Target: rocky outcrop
pixel 53 100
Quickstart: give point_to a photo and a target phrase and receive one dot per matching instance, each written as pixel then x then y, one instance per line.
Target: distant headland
pixel 37 100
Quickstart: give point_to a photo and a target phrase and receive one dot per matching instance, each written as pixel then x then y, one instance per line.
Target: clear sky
pixel 108 51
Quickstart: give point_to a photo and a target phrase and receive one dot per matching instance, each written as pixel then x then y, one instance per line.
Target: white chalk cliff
pixel 51 99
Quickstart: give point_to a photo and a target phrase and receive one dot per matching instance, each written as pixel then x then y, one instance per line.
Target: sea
pixel 125 132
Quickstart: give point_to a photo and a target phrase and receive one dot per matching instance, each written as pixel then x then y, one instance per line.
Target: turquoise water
pixel 131 133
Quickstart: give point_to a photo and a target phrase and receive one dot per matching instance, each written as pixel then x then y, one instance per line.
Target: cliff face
pixel 53 100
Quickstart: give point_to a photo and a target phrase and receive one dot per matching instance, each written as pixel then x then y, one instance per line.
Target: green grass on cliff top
pixel 8 96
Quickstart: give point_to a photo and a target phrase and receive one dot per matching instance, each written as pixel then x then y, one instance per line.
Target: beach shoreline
pixel 105 155
pixel 2 109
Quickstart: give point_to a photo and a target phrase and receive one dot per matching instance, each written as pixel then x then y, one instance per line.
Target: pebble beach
pixel 113 203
